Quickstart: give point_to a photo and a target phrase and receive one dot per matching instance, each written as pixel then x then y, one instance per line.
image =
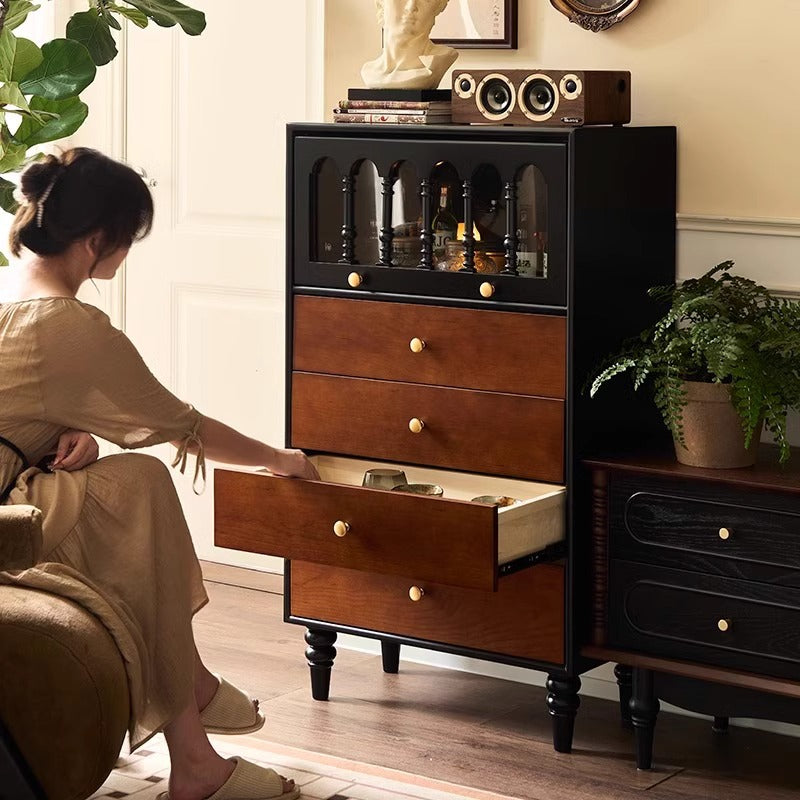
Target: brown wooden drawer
pixel 450 539
pixel 494 351
pixel 499 434
pixel 445 615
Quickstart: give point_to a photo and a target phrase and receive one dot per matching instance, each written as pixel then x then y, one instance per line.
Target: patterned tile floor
pixel 143 775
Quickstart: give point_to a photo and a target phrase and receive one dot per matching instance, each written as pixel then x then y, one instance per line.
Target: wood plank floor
pixel 469 729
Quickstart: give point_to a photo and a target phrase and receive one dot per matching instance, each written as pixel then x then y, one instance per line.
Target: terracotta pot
pixel 712 429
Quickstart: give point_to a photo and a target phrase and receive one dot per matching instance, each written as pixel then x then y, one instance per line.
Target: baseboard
pixel 214 572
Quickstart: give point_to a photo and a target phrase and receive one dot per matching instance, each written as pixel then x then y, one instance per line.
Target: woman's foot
pixel 230 711
pixel 205 687
pixel 205 778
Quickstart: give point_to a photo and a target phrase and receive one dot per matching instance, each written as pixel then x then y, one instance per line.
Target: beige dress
pixel 116 527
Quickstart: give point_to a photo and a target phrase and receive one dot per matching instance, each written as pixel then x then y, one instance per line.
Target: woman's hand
pixel 76 449
pixel 293 464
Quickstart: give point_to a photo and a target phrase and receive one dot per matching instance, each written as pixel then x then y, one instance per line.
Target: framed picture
pixel 477 23
pixel 594 15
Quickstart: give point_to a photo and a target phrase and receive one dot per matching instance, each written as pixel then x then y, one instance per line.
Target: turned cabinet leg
pixel 644 710
pixel 320 654
pixel 624 676
pixel 562 703
pixel 720 725
pixel 390 652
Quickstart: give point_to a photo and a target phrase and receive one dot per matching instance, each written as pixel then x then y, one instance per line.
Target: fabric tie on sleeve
pixel 182 455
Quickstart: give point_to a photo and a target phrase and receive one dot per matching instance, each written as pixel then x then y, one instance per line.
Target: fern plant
pixel 719 328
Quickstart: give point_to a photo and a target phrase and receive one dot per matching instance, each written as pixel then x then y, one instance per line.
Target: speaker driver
pixel 464 85
pixel 570 86
pixel 538 97
pixel 496 97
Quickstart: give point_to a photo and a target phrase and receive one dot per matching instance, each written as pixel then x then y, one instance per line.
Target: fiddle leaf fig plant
pixel 40 86
pixel 719 328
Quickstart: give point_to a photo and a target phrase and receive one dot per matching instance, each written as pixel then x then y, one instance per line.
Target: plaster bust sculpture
pixel 410 60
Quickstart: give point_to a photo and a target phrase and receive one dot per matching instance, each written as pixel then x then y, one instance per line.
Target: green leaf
pixel 12 153
pixel 7 201
pixel 169 12
pixel 92 31
pixel 137 17
pixel 27 58
pixel 3 260
pixel 18 10
pixel 8 50
pixel 104 9
pixel 70 115
pixel 10 95
pixel 67 69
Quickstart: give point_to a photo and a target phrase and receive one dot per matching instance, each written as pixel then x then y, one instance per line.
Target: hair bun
pixel 38 176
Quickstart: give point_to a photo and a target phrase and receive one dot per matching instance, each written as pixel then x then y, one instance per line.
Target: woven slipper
pixel 248 781
pixel 230 711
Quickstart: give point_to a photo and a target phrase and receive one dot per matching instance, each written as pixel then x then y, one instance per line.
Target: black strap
pixel 21 456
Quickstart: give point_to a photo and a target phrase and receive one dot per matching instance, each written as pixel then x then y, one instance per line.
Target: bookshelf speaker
pixel 542 97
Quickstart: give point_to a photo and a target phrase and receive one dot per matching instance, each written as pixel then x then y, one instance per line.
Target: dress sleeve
pixel 94 380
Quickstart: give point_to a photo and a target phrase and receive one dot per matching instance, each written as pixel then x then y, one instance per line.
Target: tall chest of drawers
pixel 462 365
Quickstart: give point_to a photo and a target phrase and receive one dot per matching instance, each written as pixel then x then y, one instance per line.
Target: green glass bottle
pixel 445 226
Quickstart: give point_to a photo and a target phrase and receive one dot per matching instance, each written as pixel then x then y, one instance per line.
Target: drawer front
pixel 704 618
pixel 488 350
pixel 497 434
pixel 658 525
pixel 392 533
pixel 444 615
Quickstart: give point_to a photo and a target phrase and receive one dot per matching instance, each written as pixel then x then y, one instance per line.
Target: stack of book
pixel 395 107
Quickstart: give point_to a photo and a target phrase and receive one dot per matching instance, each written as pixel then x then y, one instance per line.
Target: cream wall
pixel 723 71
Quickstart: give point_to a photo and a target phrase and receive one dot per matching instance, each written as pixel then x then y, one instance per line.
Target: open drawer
pixel 449 539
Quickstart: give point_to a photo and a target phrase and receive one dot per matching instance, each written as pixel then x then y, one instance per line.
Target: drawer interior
pixel 529 526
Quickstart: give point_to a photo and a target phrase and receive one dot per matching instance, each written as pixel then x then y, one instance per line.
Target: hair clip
pixel 41 201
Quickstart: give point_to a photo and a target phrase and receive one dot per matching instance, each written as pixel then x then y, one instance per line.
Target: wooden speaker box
pixel 542 97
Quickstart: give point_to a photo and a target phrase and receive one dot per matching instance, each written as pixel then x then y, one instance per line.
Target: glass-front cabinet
pixel 432 216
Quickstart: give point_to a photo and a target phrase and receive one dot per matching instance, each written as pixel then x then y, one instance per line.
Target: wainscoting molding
pixel 756 226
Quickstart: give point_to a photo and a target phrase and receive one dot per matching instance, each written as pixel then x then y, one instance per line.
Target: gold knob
pixel 416 593
pixel 341 528
pixel 724 533
pixel 355 280
pixel 416 345
pixel 416 425
pixel 487 289
pixel 724 625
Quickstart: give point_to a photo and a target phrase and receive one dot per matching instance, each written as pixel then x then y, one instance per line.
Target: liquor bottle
pixel 445 226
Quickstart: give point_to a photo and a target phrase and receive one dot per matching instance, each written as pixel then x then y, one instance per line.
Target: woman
pixel 115 524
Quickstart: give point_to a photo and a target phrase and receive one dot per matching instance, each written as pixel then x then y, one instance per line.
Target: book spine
pixel 421 105
pixel 389 119
pixel 409 112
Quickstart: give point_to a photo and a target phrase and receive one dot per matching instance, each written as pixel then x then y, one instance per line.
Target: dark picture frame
pixel 508 10
pixel 595 15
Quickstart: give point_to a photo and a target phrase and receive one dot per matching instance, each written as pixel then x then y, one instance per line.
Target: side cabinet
pixel 459 359
pixel 697 587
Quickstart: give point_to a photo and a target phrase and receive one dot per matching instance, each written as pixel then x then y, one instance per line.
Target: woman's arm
pixel 223 443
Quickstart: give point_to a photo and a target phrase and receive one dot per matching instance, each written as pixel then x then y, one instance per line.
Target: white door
pixel 203 296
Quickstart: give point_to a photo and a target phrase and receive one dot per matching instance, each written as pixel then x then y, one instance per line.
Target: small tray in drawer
pixel 335 521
